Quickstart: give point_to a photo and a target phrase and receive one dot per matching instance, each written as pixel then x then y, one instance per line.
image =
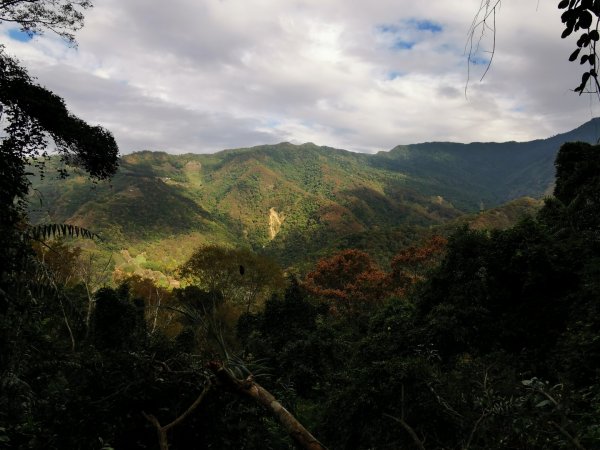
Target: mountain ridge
pixel 324 194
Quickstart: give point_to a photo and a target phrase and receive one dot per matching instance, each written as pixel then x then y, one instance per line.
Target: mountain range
pixel 296 202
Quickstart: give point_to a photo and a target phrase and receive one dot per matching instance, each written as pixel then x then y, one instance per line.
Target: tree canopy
pixel 39 124
pixel 62 17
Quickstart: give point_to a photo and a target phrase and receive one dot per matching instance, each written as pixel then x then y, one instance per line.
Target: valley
pixel 297 203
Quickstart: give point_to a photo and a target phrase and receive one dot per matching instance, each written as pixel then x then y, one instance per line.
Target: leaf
pixel 585 77
pixel 571 22
pixel 567 15
pixel 583 40
pixel 563 4
pixel 594 35
pixel 566 33
pixel 542 403
pixel 585 19
pixel 45 231
pixel 584 58
pixel 574 55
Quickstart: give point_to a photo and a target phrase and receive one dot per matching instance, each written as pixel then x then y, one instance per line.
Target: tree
pixel 36 115
pixel 62 17
pixel 155 298
pixel 287 336
pixel 240 276
pixel 578 184
pixel 38 121
pixel 581 17
pixel 410 265
pixel 118 320
pixel 350 280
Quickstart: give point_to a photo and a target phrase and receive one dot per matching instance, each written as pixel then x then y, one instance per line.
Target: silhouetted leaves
pixel 54 230
pixel 578 16
pixel 62 17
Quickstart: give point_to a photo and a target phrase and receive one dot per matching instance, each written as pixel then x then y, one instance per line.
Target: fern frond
pixel 47 230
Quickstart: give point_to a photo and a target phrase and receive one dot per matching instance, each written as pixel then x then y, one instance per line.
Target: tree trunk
pixel 256 392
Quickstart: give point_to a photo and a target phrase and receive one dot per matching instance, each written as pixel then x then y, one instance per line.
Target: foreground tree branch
pixel 161 431
pixel 413 434
pixel 249 388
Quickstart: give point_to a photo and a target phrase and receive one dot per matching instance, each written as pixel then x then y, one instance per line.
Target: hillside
pixel 492 173
pixel 295 201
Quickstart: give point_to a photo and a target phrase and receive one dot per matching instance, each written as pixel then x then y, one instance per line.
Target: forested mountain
pixel 484 340
pixel 296 200
pixel 490 172
pixel 294 297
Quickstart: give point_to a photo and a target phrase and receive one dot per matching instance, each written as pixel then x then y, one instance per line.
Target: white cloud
pixel 186 76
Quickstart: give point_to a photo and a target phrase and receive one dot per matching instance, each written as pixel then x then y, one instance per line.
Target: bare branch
pixel 485 13
pixel 161 431
pixel 409 430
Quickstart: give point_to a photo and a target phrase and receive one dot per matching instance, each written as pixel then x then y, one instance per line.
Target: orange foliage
pixel 350 280
pixel 410 265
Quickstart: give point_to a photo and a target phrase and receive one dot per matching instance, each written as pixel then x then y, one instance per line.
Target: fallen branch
pixel 249 388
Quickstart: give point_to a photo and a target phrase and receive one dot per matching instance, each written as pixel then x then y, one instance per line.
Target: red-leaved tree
pixel 350 280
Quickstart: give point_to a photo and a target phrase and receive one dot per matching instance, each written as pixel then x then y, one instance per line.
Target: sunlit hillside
pixel 295 201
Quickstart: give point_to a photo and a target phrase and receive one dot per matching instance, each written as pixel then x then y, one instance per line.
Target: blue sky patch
pixel 426 25
pixel 407 33
pixel 18 35
pixel 394 74
pixel 403 45
pixel 479 61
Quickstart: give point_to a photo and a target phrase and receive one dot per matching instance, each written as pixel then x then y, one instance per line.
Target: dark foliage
pixel 62 17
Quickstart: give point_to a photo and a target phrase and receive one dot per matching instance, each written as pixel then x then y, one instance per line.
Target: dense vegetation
pixel 294 203
pixel 487 340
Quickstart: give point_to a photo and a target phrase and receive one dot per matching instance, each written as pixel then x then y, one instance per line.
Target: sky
pixel 201 76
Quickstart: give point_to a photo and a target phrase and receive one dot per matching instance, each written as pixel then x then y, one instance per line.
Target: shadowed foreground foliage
pixel 488 341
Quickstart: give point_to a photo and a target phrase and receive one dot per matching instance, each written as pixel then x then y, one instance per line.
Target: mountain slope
pixel 295 200
pixel 491 173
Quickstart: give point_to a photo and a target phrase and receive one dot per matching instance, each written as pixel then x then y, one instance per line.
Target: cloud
pixel 185 76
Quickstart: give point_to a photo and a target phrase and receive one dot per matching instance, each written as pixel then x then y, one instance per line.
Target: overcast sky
pixel 204 75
